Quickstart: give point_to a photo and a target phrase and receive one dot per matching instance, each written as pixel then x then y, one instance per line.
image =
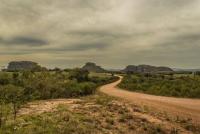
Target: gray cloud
pixel 113 33
pixel 22 40
pixel 183 41
pixel 75 47
pixel 87 46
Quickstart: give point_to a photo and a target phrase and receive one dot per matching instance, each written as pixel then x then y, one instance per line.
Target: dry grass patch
pixel 99 114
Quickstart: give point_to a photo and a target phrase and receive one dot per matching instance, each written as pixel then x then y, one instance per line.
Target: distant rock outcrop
pixel 146 69
pixel 23 65
pixel 92 67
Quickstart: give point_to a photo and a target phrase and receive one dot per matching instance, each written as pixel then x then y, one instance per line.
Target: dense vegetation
pixel 17 88
pixel 162 84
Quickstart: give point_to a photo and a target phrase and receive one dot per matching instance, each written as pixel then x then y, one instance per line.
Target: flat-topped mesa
pixel 23 65
pixel 146 69
pixel 92 67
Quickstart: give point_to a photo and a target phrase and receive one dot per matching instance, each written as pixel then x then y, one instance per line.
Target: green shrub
pixel 165 85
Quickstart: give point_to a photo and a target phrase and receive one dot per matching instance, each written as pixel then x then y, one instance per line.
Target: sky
pixel 111 33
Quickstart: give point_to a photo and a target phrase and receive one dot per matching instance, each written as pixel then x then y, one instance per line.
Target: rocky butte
pixel 146 69
pixel 92 67
pixel 22 65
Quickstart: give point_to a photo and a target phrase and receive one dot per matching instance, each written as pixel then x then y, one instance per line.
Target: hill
pixel 92 67
pixel 146 69
pixel 23 65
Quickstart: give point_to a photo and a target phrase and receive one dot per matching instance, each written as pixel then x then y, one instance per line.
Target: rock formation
pixel 146 69
pixel 92 67
pixel 22 65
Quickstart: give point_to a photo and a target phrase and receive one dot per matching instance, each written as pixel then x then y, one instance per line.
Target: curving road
pixel 189 108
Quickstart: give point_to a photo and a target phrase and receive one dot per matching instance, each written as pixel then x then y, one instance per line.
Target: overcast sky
pixel 112 33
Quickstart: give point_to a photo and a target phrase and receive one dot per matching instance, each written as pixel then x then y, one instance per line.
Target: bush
pixel 11 94
pixel 47 85
pixel 4 79
pixel 79 74
pixel 165 85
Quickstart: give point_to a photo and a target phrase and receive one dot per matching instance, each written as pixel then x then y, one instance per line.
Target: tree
pixel 1 107
pixel 56 69
pixel 14 95
pixel 198 73
pixel 15 75
pixel 80 75
pixel 4 79
pixel 39 69
pixel 16 79
pixel 112 74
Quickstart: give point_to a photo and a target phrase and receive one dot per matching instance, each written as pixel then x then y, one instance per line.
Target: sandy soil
pixel 188 108
pixel 38 107
pixel 114 109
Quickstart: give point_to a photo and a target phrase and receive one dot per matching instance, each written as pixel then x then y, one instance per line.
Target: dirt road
pixel 189 108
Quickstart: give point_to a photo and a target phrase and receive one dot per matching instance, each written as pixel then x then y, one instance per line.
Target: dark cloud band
pixel 23 41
